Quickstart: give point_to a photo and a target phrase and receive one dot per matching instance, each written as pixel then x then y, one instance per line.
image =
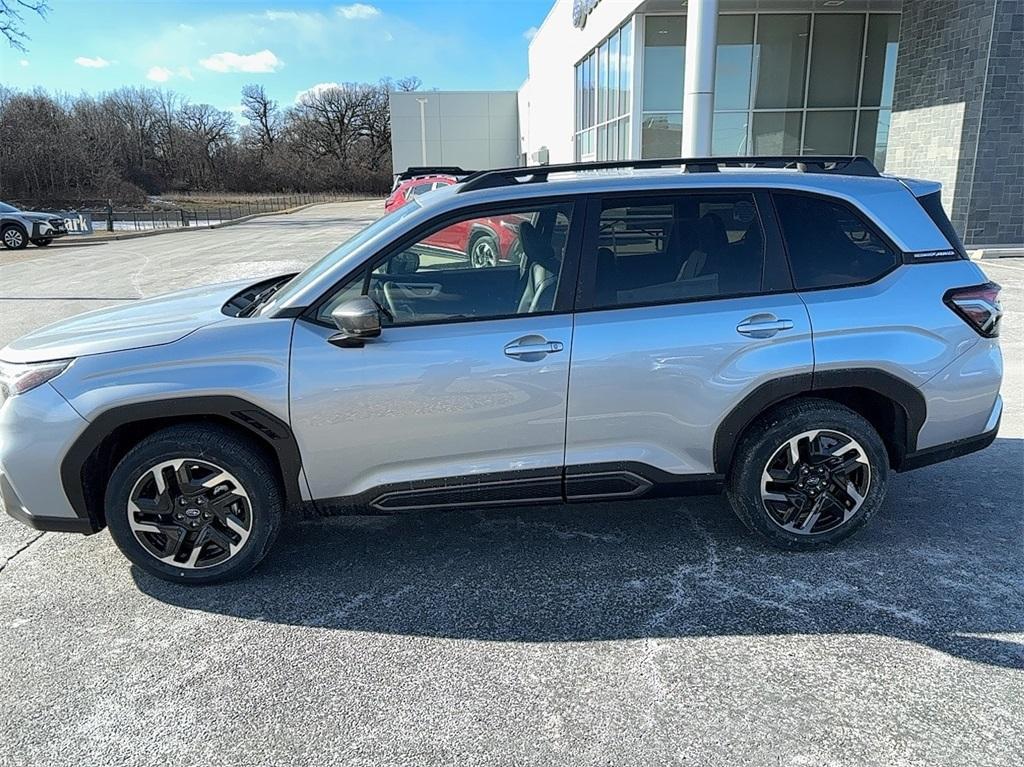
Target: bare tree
pixel 123 145
pixel 264 118
pixel 206 132
pixel 411 83
pixel 12 18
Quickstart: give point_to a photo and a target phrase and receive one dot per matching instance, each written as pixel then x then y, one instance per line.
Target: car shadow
pixel 940 565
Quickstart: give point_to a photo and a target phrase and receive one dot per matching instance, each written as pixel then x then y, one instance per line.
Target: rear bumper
pixel 956 448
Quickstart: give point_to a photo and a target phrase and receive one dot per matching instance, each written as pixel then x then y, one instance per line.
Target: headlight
pixel 18 379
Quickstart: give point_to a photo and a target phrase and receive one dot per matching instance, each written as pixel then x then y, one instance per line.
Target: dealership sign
pixel 77 223
pixel 580 10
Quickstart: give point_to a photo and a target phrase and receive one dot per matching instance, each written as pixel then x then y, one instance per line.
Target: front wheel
pixel 194 504
pixel 809 474
pixel 483 251
pixel 14 237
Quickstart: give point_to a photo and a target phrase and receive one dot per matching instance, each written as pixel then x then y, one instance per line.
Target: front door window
pixel 479 267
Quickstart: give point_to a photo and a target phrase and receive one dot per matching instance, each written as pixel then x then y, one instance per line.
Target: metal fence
pixel 106 219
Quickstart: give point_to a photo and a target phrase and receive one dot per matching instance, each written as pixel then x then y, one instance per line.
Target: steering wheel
pixel 380 297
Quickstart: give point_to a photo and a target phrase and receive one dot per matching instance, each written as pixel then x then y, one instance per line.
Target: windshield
pixel 5 208
pixel 325 264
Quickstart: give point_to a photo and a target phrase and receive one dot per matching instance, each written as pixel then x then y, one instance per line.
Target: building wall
pixel 996 212
pixel 546 98
pixel 958 112
pixel 470 129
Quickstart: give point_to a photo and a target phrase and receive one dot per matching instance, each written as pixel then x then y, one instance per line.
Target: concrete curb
pixel 997 251
pixel 103 237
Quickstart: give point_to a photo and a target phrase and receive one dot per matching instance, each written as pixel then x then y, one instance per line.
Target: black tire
pixel 260 503
pixel 42 242
pixel 483 251
pixel 14 237
pixel 765 445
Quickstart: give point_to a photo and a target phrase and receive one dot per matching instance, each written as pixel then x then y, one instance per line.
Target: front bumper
pixel 44 230
pixel 36 430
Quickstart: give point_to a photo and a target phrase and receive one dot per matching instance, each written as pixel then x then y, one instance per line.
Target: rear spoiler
pixel 416 171
pixel 929 196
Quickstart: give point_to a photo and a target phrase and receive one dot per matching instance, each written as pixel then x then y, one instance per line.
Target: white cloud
pixel 159 74
pixel 358 11
pixel 185 72
pixel 263 61
pixel 284 15
pixel 318 88
pixel 530 33
pixel 92 63
pixel 23 62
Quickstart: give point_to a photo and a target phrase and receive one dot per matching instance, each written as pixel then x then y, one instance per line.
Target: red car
pixel 485 241
pixel 414 187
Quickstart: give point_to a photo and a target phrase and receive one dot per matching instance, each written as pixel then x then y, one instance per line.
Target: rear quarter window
pixel 829 244
pixel 932 204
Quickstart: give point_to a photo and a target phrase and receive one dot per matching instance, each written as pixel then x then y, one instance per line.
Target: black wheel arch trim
pixel 269 429
pixel 904 396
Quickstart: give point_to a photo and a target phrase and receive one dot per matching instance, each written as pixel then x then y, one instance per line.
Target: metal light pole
pixel 699 89
pixel 423 129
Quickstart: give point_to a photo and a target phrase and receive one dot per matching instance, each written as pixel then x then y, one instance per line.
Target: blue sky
pixel 208 49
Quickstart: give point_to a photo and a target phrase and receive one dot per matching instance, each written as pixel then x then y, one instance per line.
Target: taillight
pixel 978 306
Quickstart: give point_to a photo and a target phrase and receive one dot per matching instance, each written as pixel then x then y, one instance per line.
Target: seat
pixel 541 268
pixel 712 242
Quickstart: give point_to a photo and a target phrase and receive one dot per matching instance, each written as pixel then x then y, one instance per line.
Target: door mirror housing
pixel 356 320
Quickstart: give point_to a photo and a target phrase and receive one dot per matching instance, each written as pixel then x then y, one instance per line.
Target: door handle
pixel 763 326
pixel 530 348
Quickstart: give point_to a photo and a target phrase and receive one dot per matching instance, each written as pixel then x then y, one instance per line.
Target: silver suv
pixel 789 329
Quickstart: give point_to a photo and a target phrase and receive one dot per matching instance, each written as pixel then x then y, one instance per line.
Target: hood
pixel 148 322
pixel 35 215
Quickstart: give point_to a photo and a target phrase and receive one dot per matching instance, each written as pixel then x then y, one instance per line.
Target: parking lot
pixel 643 633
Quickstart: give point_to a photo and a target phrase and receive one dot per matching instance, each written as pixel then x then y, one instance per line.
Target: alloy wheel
pixel 13 238
pixel 483 253
pixel 190 513
pixel 815 482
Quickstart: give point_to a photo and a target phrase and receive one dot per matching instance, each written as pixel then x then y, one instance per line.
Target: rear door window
pixel 829 244
pixel 666 249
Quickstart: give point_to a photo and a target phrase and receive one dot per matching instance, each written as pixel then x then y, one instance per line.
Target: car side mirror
pixel 356 320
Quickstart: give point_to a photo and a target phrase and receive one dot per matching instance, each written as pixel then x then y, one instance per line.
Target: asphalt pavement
pixel 614 634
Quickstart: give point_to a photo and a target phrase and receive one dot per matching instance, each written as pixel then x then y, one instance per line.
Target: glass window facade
pixel 604 98
pixel 815 83
pixel 785 83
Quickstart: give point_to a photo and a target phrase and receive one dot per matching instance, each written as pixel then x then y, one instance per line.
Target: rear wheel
pixel 194 504
pixel 14 237
pixel 810 473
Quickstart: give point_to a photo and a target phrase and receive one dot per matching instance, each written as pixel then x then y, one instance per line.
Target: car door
pixel 462 398
pixel 686 306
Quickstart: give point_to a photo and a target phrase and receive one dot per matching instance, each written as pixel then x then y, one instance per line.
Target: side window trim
pixel 570 266
pixel 775 275
pixel 900 257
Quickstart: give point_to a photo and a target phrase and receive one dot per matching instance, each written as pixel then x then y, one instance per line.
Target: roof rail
pixel 416 171
pixel 848 165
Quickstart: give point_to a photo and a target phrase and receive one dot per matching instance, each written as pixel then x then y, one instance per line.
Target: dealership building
pixel 929 88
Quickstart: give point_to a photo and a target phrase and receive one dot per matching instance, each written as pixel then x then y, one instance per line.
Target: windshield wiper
pixel 261 298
